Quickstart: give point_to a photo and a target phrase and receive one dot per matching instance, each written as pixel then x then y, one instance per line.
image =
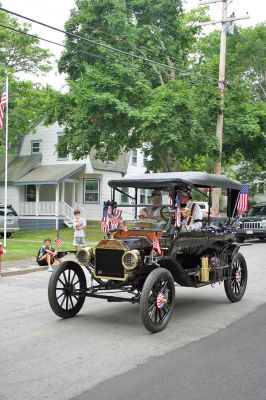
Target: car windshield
pixel 258 210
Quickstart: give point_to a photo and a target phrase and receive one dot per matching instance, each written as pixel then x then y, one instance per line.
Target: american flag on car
pixel 242 204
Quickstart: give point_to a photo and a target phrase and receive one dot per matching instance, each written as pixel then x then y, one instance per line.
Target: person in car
pixel 191 213
pixel 154 211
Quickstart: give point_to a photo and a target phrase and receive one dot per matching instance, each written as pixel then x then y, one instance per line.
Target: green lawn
pixel 25 244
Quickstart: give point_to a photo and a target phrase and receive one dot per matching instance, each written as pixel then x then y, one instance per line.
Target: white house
pixel 44 186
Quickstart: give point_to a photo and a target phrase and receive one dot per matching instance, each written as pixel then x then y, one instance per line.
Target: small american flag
pixel 156 245
pixel 177 212
pixel 58 240
pixel 107 212
pixel 242 204
pixel 2 106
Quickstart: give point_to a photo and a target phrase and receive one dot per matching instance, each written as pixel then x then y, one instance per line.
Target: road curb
pixel 21 271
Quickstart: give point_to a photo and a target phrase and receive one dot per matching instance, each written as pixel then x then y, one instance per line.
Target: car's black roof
pixel 166 179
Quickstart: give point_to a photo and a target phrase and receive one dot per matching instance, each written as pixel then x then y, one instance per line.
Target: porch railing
pixel 31 208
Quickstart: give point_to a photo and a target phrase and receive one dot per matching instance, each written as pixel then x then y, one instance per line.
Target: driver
pixel 192 221
pixel 154 211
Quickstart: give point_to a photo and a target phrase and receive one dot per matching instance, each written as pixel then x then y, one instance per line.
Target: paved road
pixel 45 357
pixel 230 364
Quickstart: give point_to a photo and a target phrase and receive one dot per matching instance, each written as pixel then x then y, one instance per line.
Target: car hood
pixel 254 218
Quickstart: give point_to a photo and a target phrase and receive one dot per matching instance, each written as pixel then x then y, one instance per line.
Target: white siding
pixel 12 196
pixel 48 137
pixel 137 169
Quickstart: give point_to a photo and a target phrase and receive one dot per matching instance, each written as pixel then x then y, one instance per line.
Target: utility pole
pixel 221 85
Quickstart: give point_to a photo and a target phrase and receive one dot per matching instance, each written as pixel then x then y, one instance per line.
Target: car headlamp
pixel 84 255
pixel 263 223
pixel 130 259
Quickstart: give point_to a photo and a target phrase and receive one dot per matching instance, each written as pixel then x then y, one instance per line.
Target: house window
pixel 30 193
pixel 124 198
pixel 145 196
pixel 91 191
pixel 35 146
pixel 62 152
pixel 134 157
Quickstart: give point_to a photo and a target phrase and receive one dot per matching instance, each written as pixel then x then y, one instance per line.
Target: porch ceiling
pixel 50 174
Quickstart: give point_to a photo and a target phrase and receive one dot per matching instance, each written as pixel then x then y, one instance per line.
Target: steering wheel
pixel 166 213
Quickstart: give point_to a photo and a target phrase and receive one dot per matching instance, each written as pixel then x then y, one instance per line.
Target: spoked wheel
pixel 236 283
pixel 157 300
pixel 65 285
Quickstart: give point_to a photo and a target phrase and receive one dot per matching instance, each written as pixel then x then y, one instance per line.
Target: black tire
pixel 67 278
pixel 157 300
pixel 235 285
pixel 239 239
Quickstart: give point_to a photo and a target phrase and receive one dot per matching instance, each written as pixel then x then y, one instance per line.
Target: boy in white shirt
pixel 79 225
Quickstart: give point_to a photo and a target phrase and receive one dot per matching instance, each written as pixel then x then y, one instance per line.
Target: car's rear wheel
pixel 66 289
pixel 236 283
pixel 157 300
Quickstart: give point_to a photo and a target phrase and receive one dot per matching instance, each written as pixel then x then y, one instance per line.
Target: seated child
pixel 47 255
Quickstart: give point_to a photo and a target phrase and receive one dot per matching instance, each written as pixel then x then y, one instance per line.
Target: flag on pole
pixel 2 106
pixel 242 204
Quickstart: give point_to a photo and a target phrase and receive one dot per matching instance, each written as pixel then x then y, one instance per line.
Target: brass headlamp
pixel 84 255
pixel 130 259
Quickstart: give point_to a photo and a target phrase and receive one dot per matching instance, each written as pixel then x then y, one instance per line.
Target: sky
pixel 56 12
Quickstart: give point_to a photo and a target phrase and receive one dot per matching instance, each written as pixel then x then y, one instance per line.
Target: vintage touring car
pixel 144 263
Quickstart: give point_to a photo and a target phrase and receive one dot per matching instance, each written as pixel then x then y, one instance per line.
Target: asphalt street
pixel 230 364
pixel 42 356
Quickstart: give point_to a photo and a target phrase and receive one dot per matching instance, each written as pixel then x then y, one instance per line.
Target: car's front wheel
pixel 236 283
pixel 66 289
pixel 157 300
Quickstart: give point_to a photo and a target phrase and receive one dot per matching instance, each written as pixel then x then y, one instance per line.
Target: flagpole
pixel 6 158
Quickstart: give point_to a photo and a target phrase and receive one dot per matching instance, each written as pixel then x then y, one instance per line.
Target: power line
pixel 62 45
pixel 89 54
pixel 96 43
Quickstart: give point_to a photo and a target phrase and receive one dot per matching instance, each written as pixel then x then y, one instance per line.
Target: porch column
pixel 63 192
pixel 57 204
pixel 37 200
pixel 74 193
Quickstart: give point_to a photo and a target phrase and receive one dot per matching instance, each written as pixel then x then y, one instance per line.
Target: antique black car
pixel 144 262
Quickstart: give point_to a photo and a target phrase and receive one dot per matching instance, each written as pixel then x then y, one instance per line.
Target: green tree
pixel 18 52
pixel 119 103
pixel 27 101
pixel 244 138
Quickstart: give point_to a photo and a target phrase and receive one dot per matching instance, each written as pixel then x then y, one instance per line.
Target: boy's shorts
pixel 79 241
pixel 43 263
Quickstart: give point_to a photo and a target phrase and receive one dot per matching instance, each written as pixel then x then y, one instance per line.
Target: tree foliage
pixel 118 102
pixel 27 101
pixel 121 102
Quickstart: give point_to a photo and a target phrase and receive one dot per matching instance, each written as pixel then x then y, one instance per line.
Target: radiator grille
pixel 251 225
pixel 108 263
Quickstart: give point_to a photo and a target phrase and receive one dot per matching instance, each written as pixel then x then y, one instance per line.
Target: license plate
pixel 249 231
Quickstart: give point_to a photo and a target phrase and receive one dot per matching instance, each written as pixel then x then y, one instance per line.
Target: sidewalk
pixel 25 266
